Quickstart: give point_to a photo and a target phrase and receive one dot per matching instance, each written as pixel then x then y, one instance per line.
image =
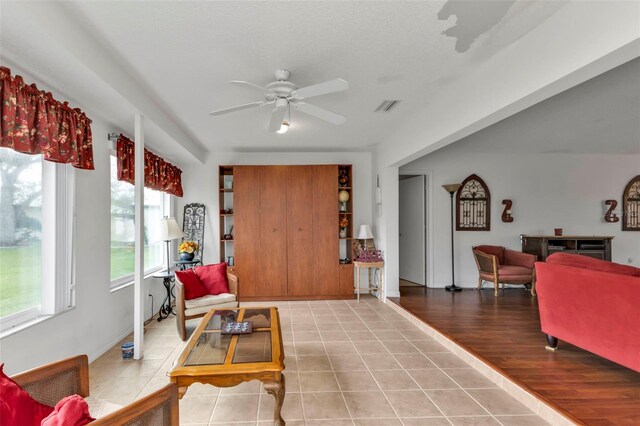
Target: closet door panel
pixel 300 250
pixel 272 233
pixel 325 230
pixel 246 205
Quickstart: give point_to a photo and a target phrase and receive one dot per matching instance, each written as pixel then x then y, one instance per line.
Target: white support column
pixel 138 305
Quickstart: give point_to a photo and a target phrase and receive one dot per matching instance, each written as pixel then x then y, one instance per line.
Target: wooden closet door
pixel 246 214
pixel 273 231
pixel 300 250
pixel 326 255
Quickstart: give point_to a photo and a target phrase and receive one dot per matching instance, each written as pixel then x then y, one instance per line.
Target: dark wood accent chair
pixel 184 312
pixel 50 383
pixel 498 265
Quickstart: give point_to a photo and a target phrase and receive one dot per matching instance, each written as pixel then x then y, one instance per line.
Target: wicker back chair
pixel 499 265
pixel 158 409
pixel 52 382
pixel 183 313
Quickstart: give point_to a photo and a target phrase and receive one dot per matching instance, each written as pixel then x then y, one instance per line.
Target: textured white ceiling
pixel 186 53
pixel 183 54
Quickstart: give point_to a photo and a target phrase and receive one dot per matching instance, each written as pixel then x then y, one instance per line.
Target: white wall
pixel 548 191
pixel 528 157
pixel 200 183
pixel 101 317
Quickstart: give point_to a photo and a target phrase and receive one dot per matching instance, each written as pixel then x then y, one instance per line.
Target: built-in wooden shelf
pixel 226 190
pixel 344 187
pixel 226 215
pixel 347 238
pixel 226 241
pixel 344 212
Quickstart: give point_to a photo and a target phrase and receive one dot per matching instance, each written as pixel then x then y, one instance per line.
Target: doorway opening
pixel 413 238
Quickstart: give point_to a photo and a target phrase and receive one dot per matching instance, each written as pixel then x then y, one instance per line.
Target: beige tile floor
pixel 346 364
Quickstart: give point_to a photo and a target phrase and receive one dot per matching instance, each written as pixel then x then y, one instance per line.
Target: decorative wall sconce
pixel 506 213
pixel 610 216
pixel 378 191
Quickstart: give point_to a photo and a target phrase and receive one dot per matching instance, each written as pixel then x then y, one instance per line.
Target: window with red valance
pixel 35 123
pixel 158 173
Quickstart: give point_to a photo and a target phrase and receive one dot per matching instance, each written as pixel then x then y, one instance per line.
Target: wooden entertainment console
pixel 542 246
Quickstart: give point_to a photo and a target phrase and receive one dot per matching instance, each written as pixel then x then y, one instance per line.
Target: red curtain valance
pixel 158 174
pixel 35 123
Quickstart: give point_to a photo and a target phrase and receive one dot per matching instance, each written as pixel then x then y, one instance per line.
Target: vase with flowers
pixel 343 224
pixel 187 250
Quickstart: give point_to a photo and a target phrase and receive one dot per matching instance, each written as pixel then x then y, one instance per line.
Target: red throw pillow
pixel 214 278
pixel 17 408
pixel 193 287
pixel 70 411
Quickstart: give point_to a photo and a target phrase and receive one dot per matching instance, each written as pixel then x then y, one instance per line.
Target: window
pixel 31 242
pixel 156 206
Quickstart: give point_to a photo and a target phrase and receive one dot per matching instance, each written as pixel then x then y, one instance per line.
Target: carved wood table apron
pixel 226 360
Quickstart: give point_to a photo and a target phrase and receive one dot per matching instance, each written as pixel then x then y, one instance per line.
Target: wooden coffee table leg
pixel 182 391
pixel 277 390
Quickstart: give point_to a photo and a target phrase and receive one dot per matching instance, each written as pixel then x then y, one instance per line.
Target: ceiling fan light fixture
pixel 283 127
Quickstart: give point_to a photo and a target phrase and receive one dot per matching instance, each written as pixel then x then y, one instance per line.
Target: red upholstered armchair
pixel 497 264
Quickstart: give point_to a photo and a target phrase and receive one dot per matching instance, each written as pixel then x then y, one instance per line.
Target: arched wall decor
pixel 473 202
pixel 631 205
pixel 193 226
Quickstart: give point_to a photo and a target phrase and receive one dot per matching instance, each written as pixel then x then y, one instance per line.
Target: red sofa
pixel 592 304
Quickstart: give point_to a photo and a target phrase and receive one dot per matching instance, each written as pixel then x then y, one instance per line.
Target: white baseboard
pixel 97 354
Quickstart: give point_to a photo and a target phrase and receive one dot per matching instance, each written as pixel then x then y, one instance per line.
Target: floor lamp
pixel 451 189
pixel 169 230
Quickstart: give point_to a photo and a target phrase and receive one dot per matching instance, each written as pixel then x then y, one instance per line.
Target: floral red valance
pixel 35 123
pixel 158 174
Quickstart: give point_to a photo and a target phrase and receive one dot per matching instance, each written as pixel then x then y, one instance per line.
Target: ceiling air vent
pixel 387 105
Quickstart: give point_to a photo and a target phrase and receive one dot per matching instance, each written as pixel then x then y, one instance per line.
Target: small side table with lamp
pixel 369 259
pixel 169 231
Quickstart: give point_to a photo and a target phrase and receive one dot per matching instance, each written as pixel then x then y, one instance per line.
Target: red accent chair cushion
pixel 193 287
pixel 214 278
pixel 17 408
pixel 69 411
pixel 507 273
pixel 497 251
pixel 589 307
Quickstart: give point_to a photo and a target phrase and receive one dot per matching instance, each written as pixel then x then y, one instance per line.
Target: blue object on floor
pixel 127 350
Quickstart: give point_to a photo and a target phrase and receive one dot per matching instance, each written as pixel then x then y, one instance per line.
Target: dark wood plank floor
pixel 505 332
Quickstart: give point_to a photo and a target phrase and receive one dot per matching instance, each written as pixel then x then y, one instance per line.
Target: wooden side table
pixel 370 266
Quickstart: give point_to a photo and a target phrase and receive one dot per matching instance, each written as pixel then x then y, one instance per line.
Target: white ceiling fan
pixel 284 94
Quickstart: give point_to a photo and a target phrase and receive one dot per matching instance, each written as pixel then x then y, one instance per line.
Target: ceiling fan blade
pixel 277 115
pixel 330 86
pixel 238 108
pixel 246 83
pixel 320 113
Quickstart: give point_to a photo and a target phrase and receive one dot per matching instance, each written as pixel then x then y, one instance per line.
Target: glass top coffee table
pixel 225 360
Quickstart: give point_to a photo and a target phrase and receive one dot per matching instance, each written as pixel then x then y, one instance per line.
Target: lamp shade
pixel 364 233
pixel 169 229
pixel 452 187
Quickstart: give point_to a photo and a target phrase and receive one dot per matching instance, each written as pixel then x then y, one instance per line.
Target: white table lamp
pixel 364 233
pixel 169 230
